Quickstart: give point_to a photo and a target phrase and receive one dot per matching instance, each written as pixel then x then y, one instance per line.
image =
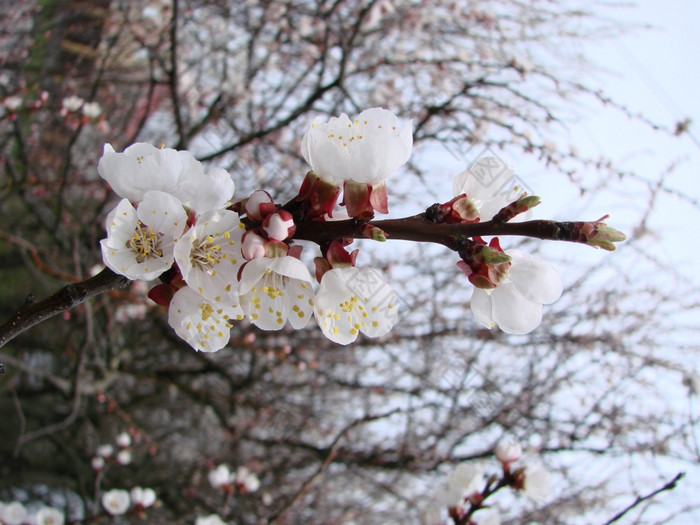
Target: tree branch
pixel 416 228
pixel 668 486
pixel 69 296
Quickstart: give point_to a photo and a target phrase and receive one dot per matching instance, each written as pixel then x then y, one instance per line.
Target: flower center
pixel 274 284
pixel 145 243
pixel 206 255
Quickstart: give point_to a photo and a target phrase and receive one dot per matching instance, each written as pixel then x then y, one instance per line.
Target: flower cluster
pixel 466 488
pixel 510 286
pixel 106 453
pixel 15 513
pixel 119 501
pixel 221 262
pixel 242 480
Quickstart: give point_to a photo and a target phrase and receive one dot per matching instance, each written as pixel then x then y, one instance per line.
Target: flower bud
pixel 508 450
pixel 600 235
pixel 253 246
pixel 123 440
pixel 259 205
pixel 279 226
pixel 124 457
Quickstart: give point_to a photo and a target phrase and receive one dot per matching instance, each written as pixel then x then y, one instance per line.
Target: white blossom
pixel 97 463
pixel 116 501
pixel 105 451
pixel 485 183
pixel 13 513
pixel 13 102
pixel 352 300
pixel 123 457
pixel 72 103
pixel 143 497
pixel 515 305
pixel 211 519
pixel 49 516
pixel 142 167
pixel 366 150
pixel 538 483
pixel 209 255
pixel 274 289
pixel 247 479
pixel 140 242
pixel 92 110
pixel 508 450
pixel 203 324
pixel 123 439
pixel 221 476
pixel 463 481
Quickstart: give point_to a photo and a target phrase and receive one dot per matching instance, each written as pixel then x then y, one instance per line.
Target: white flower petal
pixel 366 150
pixel 482 307
pixel 352 300
pixel 203 324
pixel 162 212
pixel 270 290
pixel 209 255
pixel 116 502
pixel 536 279
pixel 513 312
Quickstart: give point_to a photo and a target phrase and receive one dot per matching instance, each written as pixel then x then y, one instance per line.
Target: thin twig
pixel 668 486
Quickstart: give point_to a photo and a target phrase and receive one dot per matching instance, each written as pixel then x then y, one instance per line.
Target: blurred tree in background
pixel 600 393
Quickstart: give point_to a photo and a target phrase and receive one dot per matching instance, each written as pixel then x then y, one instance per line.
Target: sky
pixel 654 71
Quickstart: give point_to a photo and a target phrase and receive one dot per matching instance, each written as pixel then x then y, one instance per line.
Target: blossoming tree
pixel 281 308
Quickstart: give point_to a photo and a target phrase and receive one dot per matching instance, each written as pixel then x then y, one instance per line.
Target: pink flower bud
pixel 123 440
pixel 508 450
pixel 98 463
pixel 253 246
pixel 259 205
pixel 279 226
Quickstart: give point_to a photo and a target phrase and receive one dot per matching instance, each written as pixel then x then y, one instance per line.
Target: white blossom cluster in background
pixel 107 453
pixel 218 266
pixel 463 495
pixel 15 513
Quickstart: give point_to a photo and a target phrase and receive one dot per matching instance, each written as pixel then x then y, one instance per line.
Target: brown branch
pixel 668 486
pixel 68 297
pixel 420 229
pixel 416 228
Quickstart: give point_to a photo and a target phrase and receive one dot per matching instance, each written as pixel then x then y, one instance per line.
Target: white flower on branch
pixel 221 476
pixel 143 497
pixel 140 242
pixel 351 300
pixel 366 150
pixel 508 450
pixel 274 289
pixel 92 110
pixel 203 324
pixel 485 183
pixel 515 305
pixel 537 483
pixel 143 167
pixel 211 519
pixel 72 103
pixel 13 513
pixel 209 255
pixel 123 440
pixel 49 516
pixel 116 501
